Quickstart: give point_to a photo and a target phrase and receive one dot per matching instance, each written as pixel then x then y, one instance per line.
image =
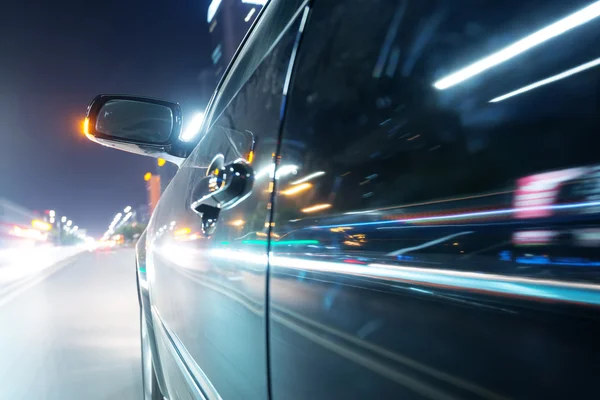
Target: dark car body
pixel 407 234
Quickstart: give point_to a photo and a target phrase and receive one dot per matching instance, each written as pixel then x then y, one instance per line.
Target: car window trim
pixel 241 52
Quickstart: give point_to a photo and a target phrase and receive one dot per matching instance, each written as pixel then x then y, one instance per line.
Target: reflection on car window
pixel 398 138
pixel 442 112
pixel 439 184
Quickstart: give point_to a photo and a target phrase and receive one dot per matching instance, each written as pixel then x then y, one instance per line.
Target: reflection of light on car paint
pixel 541 190
pixel 245 256
pixel 505 255
pixel 564 261
pixel 428 244
pixel 340 229
pixel 420 290
pixel 533 237
pixel 466 215
pixel 282 242
pixel 587 237
pixel 500 284
pixel 296 189
pixel 308 177
pixel 179 255
pixel 282 171
pixel 182 231
pixel 353 261
pixel 559 27
pixel 316 207
pixel 546 81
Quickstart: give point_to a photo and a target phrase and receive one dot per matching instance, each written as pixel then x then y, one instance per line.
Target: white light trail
pixel 308 177
pixel 250 14
pixel 283 170
pixel 546 81
pixel 572 21
pixel 257 2
pixel 212 10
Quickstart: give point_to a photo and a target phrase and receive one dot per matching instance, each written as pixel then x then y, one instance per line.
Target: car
pixel 375 206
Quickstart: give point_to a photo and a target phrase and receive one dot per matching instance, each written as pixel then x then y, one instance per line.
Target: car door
pixel 207 262
pixel 440 237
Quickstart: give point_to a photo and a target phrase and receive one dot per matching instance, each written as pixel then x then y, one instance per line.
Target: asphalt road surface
pixel 73 333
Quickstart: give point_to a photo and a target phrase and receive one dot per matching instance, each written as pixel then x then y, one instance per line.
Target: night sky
pixel 55 56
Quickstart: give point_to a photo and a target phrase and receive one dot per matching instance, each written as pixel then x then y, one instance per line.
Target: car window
pixel 388 136
pixel 263 37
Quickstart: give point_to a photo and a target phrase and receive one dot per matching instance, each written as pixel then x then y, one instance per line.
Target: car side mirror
pixel 137 124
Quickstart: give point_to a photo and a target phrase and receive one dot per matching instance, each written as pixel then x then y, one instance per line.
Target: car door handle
pixel 224 187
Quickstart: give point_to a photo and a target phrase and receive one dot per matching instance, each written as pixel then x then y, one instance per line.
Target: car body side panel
pixel 210 292
pixel 435 243
pixel 146 309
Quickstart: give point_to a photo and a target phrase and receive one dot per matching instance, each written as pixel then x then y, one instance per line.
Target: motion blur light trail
pixel 551 31
pixel 21 263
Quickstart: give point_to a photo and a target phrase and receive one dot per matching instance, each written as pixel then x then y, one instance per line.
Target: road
pixel 73 333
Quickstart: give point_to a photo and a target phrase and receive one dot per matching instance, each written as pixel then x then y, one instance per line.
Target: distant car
pixel 385 199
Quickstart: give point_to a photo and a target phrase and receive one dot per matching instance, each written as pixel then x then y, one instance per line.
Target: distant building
pixel 154 191
pixel 228 22
pixel 142 214
pixel 166 173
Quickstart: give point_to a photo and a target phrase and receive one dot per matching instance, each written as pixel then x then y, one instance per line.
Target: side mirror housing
pixel 138 125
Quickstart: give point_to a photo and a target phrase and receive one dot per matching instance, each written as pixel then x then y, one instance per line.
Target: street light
pixel 127 209
pixel 127 216
pixel 69 223
pixel 63 219
pixel 41 225
pixel 75 228
pixel 52 213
